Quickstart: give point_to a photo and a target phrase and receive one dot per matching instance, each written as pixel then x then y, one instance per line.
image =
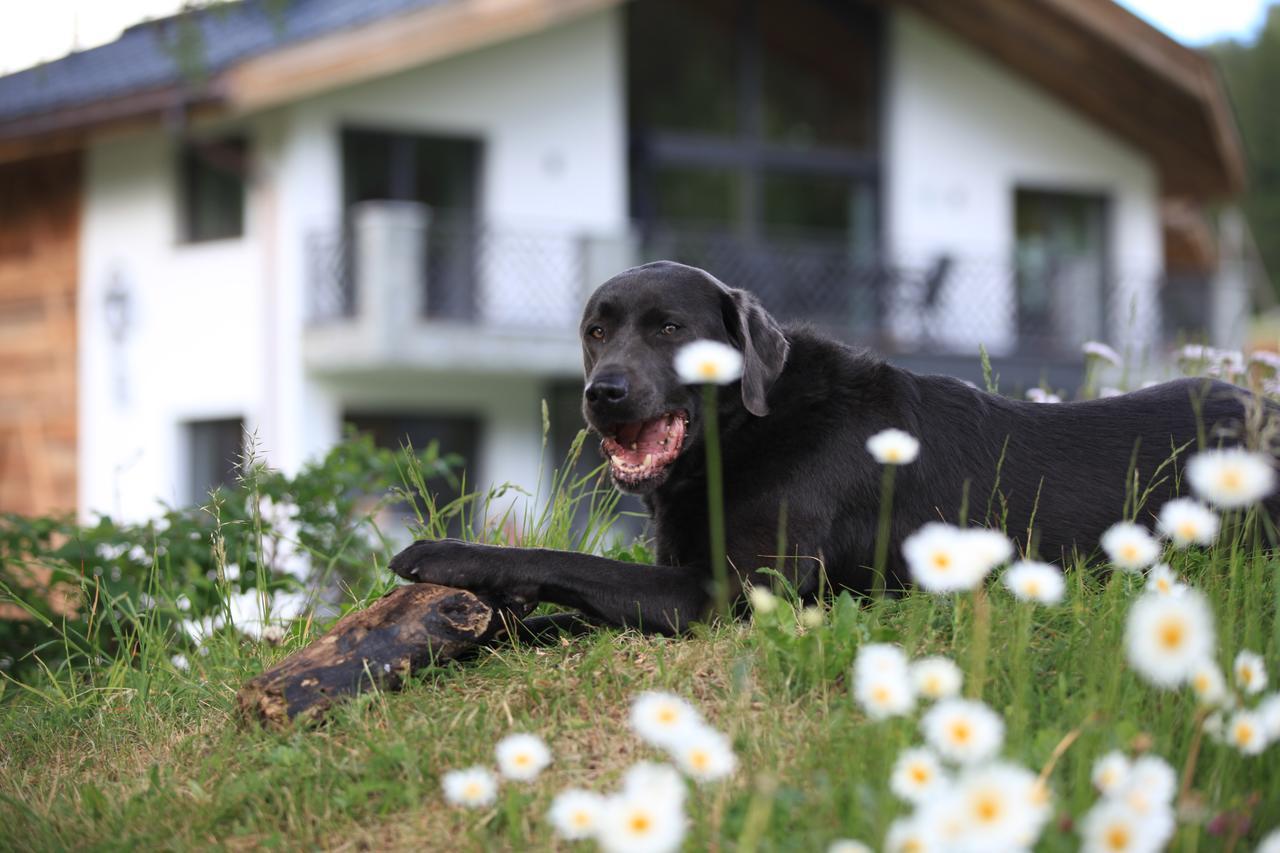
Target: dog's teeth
pixel 634 446
pixel 648 460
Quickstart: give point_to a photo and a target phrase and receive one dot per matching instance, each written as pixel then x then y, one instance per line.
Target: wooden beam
pixel 391 45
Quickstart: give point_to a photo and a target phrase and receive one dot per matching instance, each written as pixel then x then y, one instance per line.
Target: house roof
pixel 1126 75
pixel 1120 71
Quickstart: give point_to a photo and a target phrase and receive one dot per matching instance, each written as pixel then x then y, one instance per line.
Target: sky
pixel 47 29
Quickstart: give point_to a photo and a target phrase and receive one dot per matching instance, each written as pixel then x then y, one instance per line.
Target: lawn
pixel 120 745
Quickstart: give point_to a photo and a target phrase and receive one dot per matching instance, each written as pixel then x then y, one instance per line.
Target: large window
pixel 215 450
pixel 1061 264
pixel 212 178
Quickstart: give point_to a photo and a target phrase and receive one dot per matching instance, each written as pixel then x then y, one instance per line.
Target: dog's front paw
pixel 463 565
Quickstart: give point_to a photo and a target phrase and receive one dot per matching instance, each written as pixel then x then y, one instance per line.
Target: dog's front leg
pixel 657 599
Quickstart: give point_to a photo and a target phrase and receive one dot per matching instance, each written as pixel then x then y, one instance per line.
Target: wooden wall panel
pixel 39 251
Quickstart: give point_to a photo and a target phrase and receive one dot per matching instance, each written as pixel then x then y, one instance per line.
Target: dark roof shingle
pixel 159 54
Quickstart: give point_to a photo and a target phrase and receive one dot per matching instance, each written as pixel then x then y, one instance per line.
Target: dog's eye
pixel 669 328
pixel 596 332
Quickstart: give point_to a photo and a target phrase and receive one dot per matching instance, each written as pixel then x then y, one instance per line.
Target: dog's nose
pixel 610 388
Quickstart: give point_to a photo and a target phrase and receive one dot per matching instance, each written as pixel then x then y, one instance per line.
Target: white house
pixel 389 213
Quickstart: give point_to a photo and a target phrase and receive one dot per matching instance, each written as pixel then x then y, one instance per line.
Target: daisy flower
pixel 1039 395
pixel 522 757
pixel 963 730
pixel 1151 785
pixel 762 600
pixel 1208 683
pixel 1167 636
pixel 1099 350
pixel 936 678
pixel 880 659
pixel 812 617
pixel 1186 521
pixel 885 695
pixel 910 835
pixel 473 787
pixel 663 718
pixel 631 822
pixel 1038 582
pixel 646 779
pixel 917 775
pixel 1130 546
pixel 1111 773
pixel 1162 581
pixel 1269 710
pixel 1251 672
pixel 1231 477
pixel 708 362
pixel 704 755
pixel 1247 732
pixel 1001 807
pixel 990 548
pixel 575 814
pixel 847 845
pixel 942 558
pixel 893 447
pixel 1111 827
pixel 1270 843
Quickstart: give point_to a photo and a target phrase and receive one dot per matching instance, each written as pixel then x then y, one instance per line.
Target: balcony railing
pixel 402 262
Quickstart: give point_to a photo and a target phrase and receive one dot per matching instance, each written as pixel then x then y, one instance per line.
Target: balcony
pixel 402 287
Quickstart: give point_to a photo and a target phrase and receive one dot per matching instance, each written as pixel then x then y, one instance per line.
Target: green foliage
pixel 90 591
pixel 1252 75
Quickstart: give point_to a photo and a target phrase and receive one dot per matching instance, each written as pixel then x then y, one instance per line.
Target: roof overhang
pixel 1124 74
pixel 345 58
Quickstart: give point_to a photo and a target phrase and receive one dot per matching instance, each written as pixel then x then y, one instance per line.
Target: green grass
pixel 130 752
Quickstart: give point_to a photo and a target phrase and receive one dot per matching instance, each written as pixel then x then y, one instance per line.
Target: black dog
pixel 794 447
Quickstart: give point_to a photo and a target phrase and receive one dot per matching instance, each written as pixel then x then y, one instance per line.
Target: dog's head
pixel 631 329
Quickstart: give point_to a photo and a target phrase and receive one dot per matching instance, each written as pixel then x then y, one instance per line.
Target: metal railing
pixel 465 271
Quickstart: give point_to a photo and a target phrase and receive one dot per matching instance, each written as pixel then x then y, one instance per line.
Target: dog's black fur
pixel 794 447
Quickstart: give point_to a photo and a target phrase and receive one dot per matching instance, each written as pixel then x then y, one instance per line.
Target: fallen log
pixel 409 628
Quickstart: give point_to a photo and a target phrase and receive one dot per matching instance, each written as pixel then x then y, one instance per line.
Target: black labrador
pixel 794 449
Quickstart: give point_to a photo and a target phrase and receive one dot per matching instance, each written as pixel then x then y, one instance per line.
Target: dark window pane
pixel 683 65
pixel 215 449
pixel 1061 261
pixel 818 74
pixel 213 180
pixel 696 195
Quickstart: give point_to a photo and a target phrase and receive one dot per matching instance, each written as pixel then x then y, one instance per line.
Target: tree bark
pixel 409 628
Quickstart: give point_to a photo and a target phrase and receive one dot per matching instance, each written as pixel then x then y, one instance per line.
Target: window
pixel 1061 264
pixel 214 451
pixel 212 189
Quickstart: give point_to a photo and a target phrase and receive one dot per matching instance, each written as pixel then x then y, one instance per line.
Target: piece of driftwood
pixel 409 628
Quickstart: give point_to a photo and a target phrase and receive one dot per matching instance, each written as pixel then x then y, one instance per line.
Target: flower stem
pixel 981 642
pixel 882 534
pixel 715 500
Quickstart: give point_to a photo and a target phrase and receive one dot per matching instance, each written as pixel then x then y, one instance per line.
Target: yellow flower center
pixel 700 759
pixel 912 845
pixel 1187 530
pixel 1246 675
pixel 667 715
pixel 523 759
pixel 1171 634
pixel 880 694
pixel 920 774
pixel 1117 838
pixel 708 369
pixel 942 561
pixel 1129 552
pixel 472 790
pixel 893 454
pixel 961 731
pixel 639 823
pixel 1201 683
pixel 1243 733
pixel 1031 588
pixel 987 808
pixel 1163 584
pixel 1231 480
pixel 932 685
pixel 581 818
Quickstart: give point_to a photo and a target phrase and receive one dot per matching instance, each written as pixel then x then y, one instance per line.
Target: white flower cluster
pixel 963 795
pixel 1211 361
pixel 946 558
pixel 1135 811
pixel 646 814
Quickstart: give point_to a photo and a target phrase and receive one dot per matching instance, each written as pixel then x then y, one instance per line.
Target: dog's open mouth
pixel 642 450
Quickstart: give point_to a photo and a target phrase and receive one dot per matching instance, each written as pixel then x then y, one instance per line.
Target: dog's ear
pixel 764 347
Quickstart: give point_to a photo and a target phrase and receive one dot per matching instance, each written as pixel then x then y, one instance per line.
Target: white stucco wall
pixel 962 133
pixel 191 351
pixel 218 327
